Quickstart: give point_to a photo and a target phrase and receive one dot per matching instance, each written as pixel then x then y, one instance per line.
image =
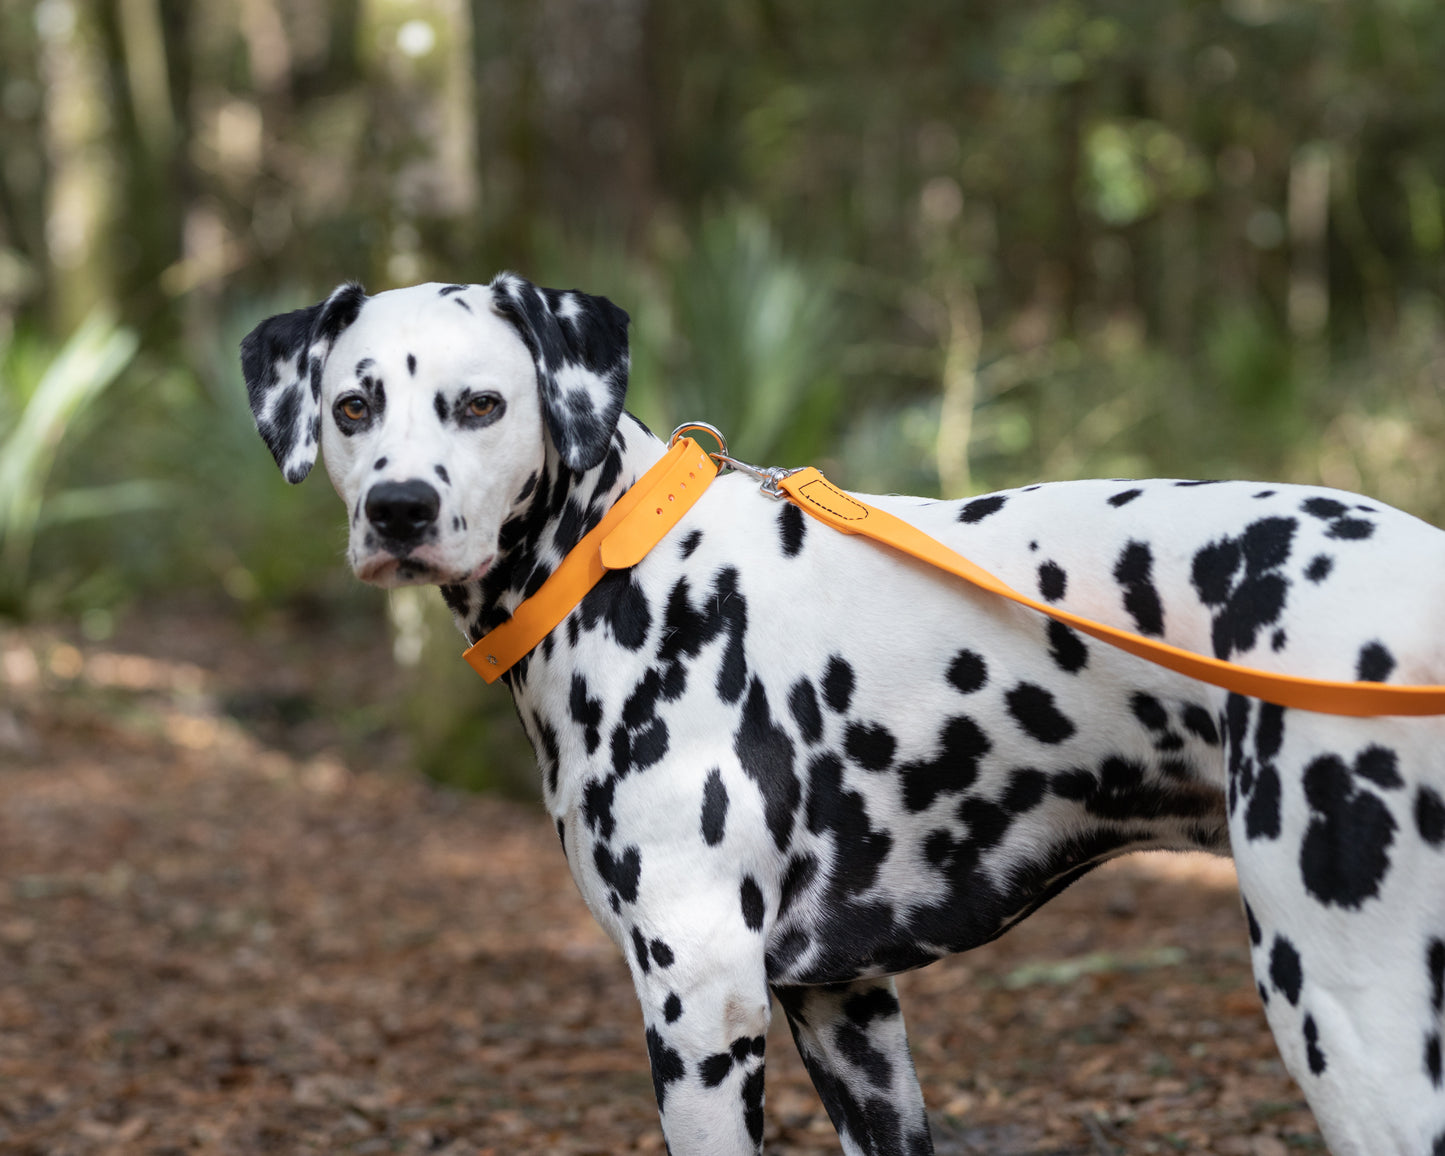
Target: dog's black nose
pixel 402 511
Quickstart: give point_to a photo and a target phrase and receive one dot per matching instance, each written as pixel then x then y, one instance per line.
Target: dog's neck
pixel 555 509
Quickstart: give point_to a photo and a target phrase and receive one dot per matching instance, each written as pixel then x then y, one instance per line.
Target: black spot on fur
pixel 690 543
pixel 1256 936
pixel 791 527
pixel 1323 508
pixel 619 601
pixel 639 949
pixel 622 873
pixel 714 809
pixel 685 630
pixel 766 754
pixel 1199 722
pixel 1284 969
pixel 1319 567
pixel 661 953
pixel 838 684
pixel 803 705
pixel 597 798
pixel 800 872
pixel 672 1008
pixel 1124 497
pixel 1033 708
pixel 980 508
pixel 854 1044
pixel 1312 1047
pixel 715 1068
pixel 1240 579
pixel 1025 791
pixel 1375 663
pixel 1435 960
pixel 1380 765
pixel 751 897
pixel 411 364
pixel 832 808
pixel 1351 529
pixel 1066 648
pixel 586 712
pixel 1053 581
pixel 752 1097
pixel 870 745
pixel 544 746
pixel 1345 853
pixel 1340 527
pixel 1149 711
pixel 1430 816
pixel 954 768
pixel 667 1065
pixel 1262 817
pixel 967 672
pixel 875 1003
pixel 1432 1057
pixel 1134 572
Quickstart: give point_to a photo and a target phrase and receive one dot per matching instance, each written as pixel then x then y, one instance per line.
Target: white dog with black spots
pixel 786 762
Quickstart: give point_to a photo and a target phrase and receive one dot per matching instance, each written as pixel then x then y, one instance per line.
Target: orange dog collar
pixel 629 530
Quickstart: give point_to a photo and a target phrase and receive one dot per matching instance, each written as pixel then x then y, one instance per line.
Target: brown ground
pixel 210 943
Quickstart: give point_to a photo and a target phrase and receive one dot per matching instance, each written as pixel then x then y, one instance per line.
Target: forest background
pixel 928 246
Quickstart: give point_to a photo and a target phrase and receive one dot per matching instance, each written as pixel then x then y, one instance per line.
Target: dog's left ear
pixel 579 344
pixel 282 359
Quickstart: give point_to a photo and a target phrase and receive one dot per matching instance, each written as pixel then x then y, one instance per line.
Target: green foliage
pixel 44 394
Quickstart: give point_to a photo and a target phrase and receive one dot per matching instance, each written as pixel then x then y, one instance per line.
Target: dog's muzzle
pixel 402 512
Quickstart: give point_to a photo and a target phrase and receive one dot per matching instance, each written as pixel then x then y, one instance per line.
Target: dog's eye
pixel 353 408
pixel 483 405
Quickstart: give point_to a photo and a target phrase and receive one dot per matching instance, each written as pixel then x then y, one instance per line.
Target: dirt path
pixel 209 945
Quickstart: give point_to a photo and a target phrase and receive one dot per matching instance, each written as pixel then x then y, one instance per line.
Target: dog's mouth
pixel 389 570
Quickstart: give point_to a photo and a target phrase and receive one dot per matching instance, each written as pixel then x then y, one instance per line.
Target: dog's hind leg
pixel 853 1042
pixel 1339 838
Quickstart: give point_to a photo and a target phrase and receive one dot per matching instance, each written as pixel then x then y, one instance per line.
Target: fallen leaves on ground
pixel 210 943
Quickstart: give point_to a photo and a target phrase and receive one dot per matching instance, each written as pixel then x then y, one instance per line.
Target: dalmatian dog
pixel 786 762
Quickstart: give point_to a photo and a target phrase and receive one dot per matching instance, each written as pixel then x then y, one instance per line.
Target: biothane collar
pixel 668 490
pixel 638 521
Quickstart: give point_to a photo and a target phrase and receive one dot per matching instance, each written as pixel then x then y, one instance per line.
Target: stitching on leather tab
pixel 850 515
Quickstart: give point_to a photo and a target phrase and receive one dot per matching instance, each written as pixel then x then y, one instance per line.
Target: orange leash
pixel 668 490
pixel 819 497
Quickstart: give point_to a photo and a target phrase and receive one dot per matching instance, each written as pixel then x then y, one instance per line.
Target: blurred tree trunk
pixel 509 147
pixel 963 337
pixel 1179 260
pixel 152 118
pixel 79 204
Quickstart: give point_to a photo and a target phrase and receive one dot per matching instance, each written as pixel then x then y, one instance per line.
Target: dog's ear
pixel 282 359
pixel 579 344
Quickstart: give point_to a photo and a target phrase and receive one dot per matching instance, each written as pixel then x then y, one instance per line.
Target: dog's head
pixel 435 406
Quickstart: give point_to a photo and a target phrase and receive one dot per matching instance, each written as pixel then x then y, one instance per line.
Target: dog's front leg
pixel 706 1010
pixel 853 1042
